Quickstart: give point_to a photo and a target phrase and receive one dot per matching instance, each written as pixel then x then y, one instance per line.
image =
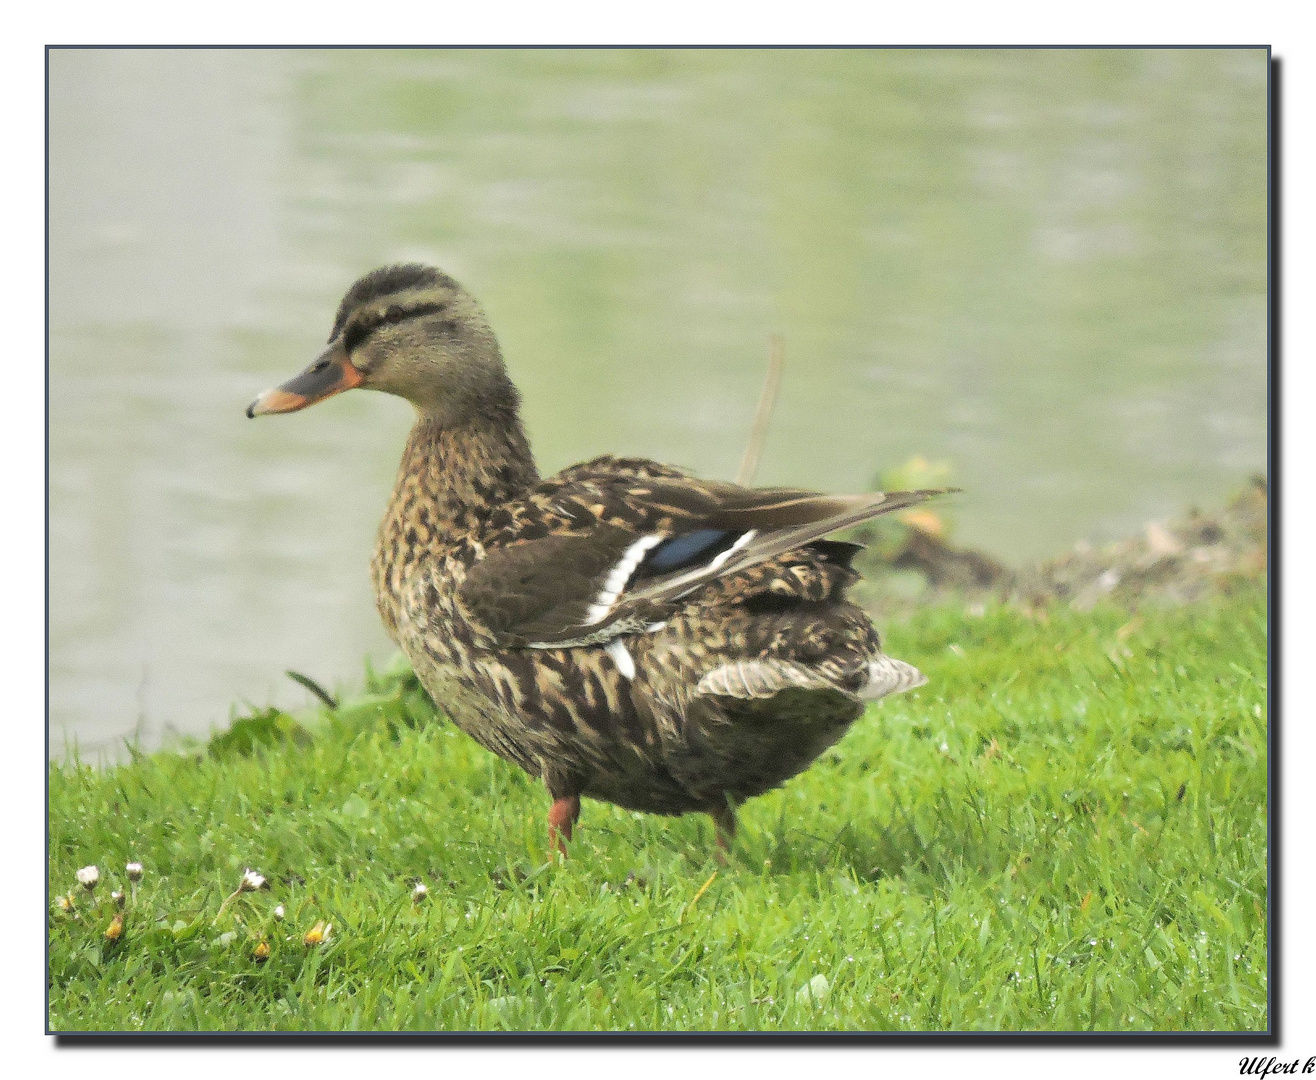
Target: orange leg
pixel 562 816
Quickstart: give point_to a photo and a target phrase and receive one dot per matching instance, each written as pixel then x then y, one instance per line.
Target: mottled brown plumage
pixel 623 630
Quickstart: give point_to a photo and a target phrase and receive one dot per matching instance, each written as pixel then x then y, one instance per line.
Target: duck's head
pixel 408 330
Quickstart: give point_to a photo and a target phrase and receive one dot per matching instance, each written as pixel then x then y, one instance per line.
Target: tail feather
pixel 751 679
pixel 887 675
pixel 759 679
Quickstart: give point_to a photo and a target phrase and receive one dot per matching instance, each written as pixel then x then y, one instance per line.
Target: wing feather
pixel 591 583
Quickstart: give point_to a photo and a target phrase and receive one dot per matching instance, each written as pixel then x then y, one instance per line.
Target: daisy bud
pixel 278 913
pixel 64 903
pixel 261 953
pixel 88 876
pixel 419 893
pixel 134 871
pixel 117 897
pixel 115 930
pixel 319 933
pixel 252 880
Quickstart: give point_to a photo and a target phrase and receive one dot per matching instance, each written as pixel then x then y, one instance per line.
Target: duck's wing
pixel 617 556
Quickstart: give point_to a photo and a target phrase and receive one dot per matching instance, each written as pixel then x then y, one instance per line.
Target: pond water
pixel 1047 268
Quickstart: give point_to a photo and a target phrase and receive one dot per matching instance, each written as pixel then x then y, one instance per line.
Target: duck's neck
pixel 452 478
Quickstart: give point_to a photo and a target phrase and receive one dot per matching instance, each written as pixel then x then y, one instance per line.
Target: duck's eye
pixel 358 331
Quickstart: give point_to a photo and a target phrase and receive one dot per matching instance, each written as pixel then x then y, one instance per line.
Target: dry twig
pixel 749 464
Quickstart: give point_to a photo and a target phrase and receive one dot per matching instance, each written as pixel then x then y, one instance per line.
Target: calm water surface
pixel 1046 268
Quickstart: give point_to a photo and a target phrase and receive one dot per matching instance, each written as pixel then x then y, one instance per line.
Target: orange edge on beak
pixel 278 401
pixel 307 388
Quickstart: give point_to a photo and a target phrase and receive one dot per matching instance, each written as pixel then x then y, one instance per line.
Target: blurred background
pixel 1046 269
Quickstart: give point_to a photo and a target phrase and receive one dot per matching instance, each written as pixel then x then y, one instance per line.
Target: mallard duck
pixel 623 630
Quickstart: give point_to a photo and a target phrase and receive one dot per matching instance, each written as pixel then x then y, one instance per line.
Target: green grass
pixel 1066 829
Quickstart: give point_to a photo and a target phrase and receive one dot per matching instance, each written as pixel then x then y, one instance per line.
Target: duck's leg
pixel 562 816
pixel 724 826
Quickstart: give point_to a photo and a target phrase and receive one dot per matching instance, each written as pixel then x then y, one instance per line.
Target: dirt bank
pixel 910 564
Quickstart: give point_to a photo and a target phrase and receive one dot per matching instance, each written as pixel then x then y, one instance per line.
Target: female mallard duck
pixel 623 630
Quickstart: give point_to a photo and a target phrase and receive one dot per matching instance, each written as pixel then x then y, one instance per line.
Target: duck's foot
pixel 562 816
pixel 724 827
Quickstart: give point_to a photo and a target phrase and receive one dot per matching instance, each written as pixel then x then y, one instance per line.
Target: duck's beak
pixel 331 373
